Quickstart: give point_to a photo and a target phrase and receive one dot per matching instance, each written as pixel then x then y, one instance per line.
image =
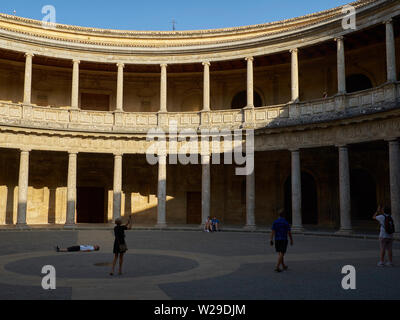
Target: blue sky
pixel 158 14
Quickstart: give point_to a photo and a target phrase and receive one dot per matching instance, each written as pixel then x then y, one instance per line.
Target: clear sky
pixel 158 14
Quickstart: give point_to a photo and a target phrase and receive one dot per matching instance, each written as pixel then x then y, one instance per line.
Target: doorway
pixel 193 207
pixel 90 205
pixel 363 195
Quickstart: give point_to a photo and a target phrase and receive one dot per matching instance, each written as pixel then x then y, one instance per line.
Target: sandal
pixel 278 270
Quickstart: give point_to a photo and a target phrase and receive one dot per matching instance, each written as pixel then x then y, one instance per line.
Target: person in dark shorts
pixel 280 233
pixel 82 248
pixel 119 243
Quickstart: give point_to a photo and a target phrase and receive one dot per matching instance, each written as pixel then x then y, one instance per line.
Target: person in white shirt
pixel 83 248
pixel 385 238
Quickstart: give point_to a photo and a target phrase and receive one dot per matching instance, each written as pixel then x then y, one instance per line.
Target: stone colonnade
pixel 295 86
pixel 344 188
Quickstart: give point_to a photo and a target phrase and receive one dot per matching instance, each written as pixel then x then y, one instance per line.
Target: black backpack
pixel 389 225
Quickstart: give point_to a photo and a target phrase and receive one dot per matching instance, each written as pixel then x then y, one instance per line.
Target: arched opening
pixel 363 194
pixel 309 199
pixel 239 101
pixel 357 82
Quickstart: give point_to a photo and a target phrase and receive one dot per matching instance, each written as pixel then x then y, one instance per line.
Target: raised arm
pixel 129 223
pixel 377 213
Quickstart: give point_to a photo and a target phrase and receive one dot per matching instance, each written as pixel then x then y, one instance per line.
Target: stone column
pixel 117 188
pixel 205 188
pixel 295 75
pixel 250 82
pixel 71 189
pixel 23 188
pixel 206 86
pixel 341 66
pixel 390 52
pixel 344 190
pixel 297 224
pixel 75 85
pixel 162 191
pixel 163 88
pixel 28 78
pixel 120 87
pixel 250 197
pixel 394 167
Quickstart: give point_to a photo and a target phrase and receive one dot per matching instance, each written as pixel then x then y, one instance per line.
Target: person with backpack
pixel 386 235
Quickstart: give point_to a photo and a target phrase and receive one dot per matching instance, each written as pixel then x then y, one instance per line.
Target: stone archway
pixel 363 194
pixel 309 199
pixel 357 82
pixel 240 100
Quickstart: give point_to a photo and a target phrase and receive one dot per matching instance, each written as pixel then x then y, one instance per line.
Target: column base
pixel 344 232
pixel 22 226
pixel 250 227
pixel 69 226
pixel 297 229
pixel 161 225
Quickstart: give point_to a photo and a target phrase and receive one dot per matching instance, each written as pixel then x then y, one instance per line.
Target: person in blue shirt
pixel 280 233
pixel 215 224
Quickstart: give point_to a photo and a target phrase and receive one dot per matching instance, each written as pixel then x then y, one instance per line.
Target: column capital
pixel 72 152
pixel 206 63
pixel 339 38
pixel 120 65
pixel 25 150
pixel 76 61
pixel 294 149
pixel 29 54
pixel 294 50
pixel 118 154
pixel 163 65
pixel 388 21
pixel 342 146
pixel 249 58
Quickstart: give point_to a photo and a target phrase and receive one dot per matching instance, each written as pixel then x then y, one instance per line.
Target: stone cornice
pixel 383 126
pixel 192 48
pixel 149 39
pixel 306 19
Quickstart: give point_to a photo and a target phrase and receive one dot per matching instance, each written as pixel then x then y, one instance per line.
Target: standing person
pixel 385 236
pixel 119 243
pixel 280 232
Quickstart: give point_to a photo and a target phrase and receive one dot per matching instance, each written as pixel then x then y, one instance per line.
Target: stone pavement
pixel 192 265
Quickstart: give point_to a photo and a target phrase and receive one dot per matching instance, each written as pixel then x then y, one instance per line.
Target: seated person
pixel 208 225
pixel 215 224
pixel 83 248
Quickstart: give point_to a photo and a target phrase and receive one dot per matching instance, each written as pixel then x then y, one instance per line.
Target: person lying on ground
pixel 82 248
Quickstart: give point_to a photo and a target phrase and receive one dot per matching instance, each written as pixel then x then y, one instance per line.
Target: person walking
pixel 385 235
pixel 280 233
pixel 119 243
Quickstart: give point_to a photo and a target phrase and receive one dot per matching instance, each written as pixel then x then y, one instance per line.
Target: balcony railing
pixel 113 121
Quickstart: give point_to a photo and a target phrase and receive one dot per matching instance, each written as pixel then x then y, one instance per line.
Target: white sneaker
pixel 381 264
pixel 389 264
